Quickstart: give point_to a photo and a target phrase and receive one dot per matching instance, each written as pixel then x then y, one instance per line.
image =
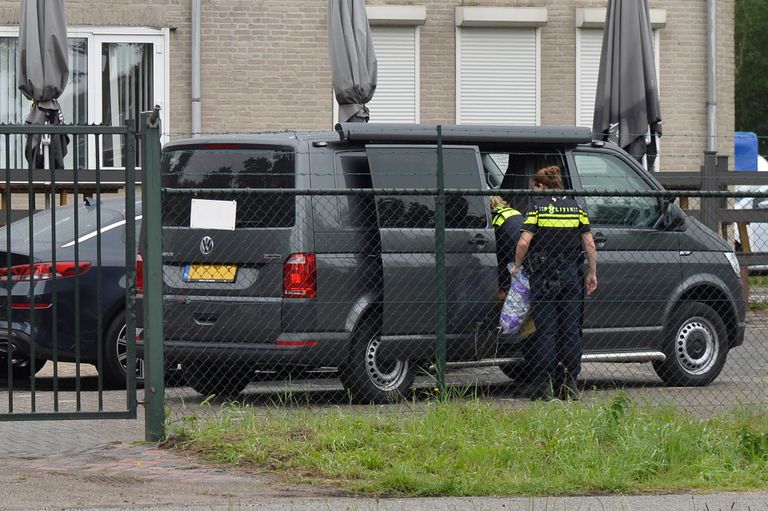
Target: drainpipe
pixel 196 106
pixel 712 75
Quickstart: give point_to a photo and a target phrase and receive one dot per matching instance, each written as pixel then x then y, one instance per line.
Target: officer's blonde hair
pixel 498 202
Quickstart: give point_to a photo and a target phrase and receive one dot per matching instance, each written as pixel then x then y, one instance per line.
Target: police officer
pixel 507 222
pixel 554 232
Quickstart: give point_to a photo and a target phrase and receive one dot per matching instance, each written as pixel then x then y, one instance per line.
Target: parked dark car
pixel 348 281
pixel 69 281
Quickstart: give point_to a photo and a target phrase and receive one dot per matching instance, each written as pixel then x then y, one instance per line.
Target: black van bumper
pixel 290 349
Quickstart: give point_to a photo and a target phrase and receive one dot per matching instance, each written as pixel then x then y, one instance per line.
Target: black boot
pixel 569 390
pixel 542 391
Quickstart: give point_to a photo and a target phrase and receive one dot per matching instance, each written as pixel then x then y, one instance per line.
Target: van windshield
pixel 231 166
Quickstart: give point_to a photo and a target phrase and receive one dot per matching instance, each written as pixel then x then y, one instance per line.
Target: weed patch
pixel 469 447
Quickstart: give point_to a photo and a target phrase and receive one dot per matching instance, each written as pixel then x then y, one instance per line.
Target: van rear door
pixel 407 227
pixel 227 285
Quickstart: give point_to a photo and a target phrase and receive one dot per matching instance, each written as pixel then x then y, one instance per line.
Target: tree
pixel 751 63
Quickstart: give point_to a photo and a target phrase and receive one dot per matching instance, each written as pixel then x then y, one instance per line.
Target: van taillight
pixel 139 273
pixel 300 276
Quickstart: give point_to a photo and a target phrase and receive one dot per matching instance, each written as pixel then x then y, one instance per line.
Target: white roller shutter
pixel 590 43
pixel 497 76
pixel 396 96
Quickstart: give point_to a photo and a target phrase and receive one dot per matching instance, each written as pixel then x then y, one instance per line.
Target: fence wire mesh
pixel 319 284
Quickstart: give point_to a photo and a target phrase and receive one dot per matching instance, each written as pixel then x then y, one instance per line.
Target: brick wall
pixel 265 64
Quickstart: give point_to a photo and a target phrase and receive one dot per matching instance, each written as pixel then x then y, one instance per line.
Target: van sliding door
pixel 407 227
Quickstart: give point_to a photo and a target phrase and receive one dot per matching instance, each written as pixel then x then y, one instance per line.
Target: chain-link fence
pixel 333 273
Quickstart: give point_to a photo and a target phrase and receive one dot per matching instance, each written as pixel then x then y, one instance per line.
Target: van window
pixel 413 167
pixel 600 171
pixel 231 166
pixel 517 168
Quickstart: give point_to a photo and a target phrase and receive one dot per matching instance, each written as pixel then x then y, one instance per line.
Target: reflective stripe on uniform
pixel 501 215
pixel 559 222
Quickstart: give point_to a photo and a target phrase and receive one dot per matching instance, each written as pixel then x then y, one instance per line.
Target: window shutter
pixel 588 55
pixel 395 99
pixel 497 76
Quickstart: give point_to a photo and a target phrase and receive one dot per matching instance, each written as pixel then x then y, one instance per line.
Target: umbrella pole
pixel 45 143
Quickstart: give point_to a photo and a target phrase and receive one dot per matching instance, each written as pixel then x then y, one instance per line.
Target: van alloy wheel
pixel 695 345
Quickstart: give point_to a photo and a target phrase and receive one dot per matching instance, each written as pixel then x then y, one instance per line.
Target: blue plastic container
pixel 745 151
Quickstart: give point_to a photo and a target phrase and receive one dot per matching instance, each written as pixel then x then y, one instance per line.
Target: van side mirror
pixel 672 217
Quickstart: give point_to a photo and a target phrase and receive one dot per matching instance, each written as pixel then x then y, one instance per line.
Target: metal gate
pixel 68 278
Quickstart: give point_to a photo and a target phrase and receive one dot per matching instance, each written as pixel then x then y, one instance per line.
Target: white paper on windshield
pixel 213 214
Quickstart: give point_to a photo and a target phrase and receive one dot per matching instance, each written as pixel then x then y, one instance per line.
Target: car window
pixel 600 171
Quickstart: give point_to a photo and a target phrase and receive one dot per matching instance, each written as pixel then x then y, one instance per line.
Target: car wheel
pixel 367 378
pixel 116 355
pixel 696 346
pixel 217 379
pixel 21 366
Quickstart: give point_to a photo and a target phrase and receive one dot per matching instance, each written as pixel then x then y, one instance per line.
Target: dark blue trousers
pixel 555 351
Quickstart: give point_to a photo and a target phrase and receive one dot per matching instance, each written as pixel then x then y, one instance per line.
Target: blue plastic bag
pixel 516 304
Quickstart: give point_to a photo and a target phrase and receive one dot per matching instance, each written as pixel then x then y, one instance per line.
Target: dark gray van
pixel 348 281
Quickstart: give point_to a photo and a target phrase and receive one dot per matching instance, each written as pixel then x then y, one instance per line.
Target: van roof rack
pixel 453 133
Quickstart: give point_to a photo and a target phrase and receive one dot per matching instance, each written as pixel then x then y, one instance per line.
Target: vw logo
pixel 206 245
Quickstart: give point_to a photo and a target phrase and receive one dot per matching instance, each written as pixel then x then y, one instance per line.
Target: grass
pixel 469 447
pixel 758 281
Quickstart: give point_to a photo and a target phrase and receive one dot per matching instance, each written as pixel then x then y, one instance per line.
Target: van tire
pixel 367 381
pixel 696 346
pixel 217 379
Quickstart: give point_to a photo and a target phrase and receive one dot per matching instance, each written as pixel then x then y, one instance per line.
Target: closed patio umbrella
pixel 627 99
pixel 352 57
pixel 43 72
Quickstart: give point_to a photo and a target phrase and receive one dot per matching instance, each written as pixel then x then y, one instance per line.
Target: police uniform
pixel 506 225
pixel 553 263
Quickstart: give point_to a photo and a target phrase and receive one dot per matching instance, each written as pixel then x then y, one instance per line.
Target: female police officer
pixel 554 232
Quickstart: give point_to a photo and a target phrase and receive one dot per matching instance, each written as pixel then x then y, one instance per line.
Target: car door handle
pixel 477 239
pixel 600 239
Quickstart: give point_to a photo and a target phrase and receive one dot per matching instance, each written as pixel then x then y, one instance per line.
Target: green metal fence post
pixel 151 250
pixel 440 268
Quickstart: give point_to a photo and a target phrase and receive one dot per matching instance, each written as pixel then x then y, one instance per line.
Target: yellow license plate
pixel 210 273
